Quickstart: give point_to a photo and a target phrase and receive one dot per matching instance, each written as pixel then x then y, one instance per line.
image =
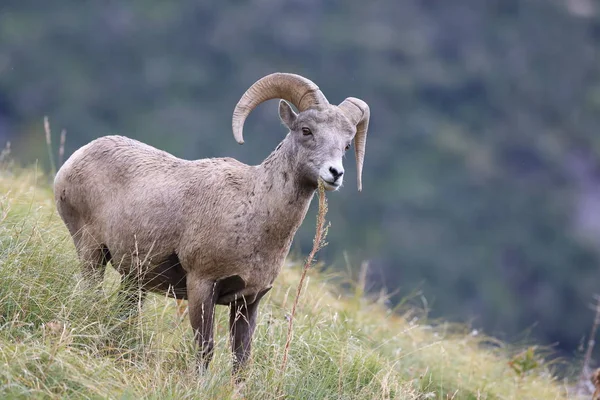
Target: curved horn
pixel 299 91
pixel 358 113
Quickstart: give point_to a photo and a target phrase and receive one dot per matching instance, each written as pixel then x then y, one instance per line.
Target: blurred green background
pixel 482 173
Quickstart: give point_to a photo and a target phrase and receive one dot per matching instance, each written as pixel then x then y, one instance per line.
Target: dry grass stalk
pixel 181 307
pixel 318 244
pixel 49 145
pixel 61 149
pixel 5 153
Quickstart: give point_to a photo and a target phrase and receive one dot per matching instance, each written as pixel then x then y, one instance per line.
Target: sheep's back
pixel 132 196
pixel 122 191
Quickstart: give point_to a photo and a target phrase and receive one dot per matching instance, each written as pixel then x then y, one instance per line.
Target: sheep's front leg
pixel 201 306
pixel 242 322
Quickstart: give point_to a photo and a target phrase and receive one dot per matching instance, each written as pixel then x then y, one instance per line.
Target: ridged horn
pixel 301 92
pixel 358 113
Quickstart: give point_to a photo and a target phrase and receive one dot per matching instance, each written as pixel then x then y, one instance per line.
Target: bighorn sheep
pixel 212 231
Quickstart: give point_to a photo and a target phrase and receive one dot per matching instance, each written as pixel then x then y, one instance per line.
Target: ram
pixel 212 231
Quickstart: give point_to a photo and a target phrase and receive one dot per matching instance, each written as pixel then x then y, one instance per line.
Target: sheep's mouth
pixel 331 185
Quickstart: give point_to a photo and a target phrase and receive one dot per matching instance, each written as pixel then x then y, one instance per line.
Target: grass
pixel 58 341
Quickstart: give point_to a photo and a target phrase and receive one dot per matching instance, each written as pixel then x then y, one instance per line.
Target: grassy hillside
pixel 58 342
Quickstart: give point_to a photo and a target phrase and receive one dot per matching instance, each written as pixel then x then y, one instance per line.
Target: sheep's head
pixel 321 132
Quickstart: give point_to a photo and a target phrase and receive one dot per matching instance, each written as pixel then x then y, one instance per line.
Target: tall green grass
pixel 59 341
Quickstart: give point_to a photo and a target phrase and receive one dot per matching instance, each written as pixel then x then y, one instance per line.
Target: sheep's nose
pixel 336 173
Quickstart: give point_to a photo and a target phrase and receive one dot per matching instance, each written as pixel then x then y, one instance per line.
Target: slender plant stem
pixel 318 243
pixel 49 145
pixel 61 149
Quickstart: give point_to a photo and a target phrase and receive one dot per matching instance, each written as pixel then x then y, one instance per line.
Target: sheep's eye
pixel 306 131
pixel 347 146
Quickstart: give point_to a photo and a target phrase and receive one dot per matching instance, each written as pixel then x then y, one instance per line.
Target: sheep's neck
pixel 288 195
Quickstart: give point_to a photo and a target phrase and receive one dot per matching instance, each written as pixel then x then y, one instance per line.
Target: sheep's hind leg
pixel 202 299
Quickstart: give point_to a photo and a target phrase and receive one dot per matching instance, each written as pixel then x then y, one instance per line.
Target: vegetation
pixel 59 341
pixel 481 174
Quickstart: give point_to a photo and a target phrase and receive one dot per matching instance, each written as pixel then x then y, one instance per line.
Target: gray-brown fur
pixel 213 231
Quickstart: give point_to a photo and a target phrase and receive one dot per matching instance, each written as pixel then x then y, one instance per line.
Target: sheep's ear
pixel 287 115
